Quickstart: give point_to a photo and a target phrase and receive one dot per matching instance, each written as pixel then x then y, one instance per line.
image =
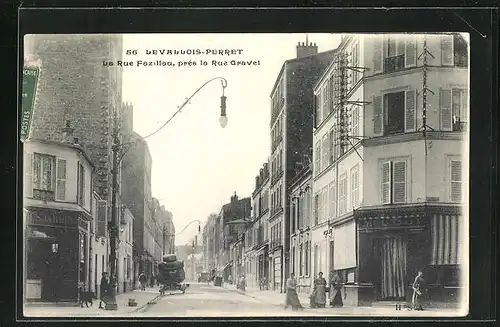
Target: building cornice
pixel 413 136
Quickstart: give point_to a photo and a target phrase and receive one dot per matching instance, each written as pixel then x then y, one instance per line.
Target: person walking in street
pixel 104 289
pixel 291 297
pixel 242 283
pixel 319 292
pixel 142 281
pixel 417 291
pixel 336 284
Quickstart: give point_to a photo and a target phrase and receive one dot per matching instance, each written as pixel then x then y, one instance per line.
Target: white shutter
pixel 101 218
pixel 345 188
pixel 28 175
pixel 456 181
pixel 411 51
pixel 399 182
pixel 354 187
pixel 332 199
pixel 445 109
pixel 377 115
pixel 410 108
pixel 386 182
pixel 447 58
pixel 61 179
pixel 378 57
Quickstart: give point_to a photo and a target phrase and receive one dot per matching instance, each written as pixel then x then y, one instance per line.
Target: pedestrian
pixel 230 279
pixel 142 281
pixel 417 291
pixel 291 297
pixel 336 284
pixel 243 283
pixel 319 292
pixel 104 289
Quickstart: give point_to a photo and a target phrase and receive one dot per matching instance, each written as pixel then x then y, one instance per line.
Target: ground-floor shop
pixel 300 261
pixel 394 243
pixel 56 254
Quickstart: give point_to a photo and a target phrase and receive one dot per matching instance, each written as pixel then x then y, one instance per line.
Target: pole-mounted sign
pixel 30 82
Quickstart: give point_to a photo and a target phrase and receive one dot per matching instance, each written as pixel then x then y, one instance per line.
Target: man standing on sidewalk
pixel 142 281
pixel 104 290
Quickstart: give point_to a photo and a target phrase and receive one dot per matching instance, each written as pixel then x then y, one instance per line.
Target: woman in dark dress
pixel 104 290
pixel 336 284
pixel 318 296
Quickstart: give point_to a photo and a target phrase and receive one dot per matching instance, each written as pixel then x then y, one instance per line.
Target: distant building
pixel 125 252
pixel 291 140
pixel 58 220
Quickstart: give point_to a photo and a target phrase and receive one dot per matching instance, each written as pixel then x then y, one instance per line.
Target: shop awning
pixel 446 233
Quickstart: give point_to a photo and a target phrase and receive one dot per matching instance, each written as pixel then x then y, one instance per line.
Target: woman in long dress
pixel 336 284
pixel 292 299
pixel 318 296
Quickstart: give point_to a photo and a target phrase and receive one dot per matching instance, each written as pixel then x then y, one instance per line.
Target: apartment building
pixel 291 137
pixel 389 183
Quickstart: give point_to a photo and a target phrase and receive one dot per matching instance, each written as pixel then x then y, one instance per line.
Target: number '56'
pixel 131 52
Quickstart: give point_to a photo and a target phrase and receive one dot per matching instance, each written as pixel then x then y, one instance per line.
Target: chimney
pixel 68 133
pixel 307 49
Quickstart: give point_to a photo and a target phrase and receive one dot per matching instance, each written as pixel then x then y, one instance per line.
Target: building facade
pixel 58 210
pixel 137 198
pixel 168 231
pixel 125 266
pixel 300 226
pixel 390 122
pixel 291 138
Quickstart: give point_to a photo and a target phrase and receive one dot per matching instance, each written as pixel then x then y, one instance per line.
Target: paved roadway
pixel 201 300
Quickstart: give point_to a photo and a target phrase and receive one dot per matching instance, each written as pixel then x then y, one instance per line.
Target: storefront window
pixel 82 256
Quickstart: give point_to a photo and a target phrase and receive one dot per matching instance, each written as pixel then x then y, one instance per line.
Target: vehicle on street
pixel 171 274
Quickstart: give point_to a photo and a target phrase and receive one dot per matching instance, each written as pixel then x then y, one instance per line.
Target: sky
pixel 197 165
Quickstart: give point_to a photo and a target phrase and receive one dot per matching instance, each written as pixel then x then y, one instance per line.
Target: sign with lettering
pixel 52 217
pixel 30 82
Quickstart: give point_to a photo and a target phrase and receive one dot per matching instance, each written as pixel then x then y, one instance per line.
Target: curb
pixel 148 303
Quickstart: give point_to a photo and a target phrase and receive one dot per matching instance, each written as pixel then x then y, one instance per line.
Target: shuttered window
pixel 447 58
pixel 317 111
pixel 355 122
pixel 343 194
pixel 445 114
pixel 316 209
pixel 410 108
pixel 61 179
pixel 399 182
pixel 101 218
pixel 324 152
pixel 411 51
pixel 378 53
pixel 324 101
pixel 325 203
pixel 28 175
pixel 386 183
pixel 317 158
pixel 377 115
pixel 456 191
pixel 355 186
pixel 332 201
pixel 331 147
pixel 394 182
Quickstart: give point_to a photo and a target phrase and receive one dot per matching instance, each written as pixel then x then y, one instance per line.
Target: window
pixel 454 51
pixel 43 172
pixel 355 134
pixel 306 261
pixel 393 182
pixel 355 186
pixel 101 218
pixel 332 201
pixel 394 113
pixel 81 184
pixel 355 63
pixel 459 108
pixel 316 209
pixel 343 194
pixel 317 110
pixel 395 54
pixel 324 101
pixel 456 188
pixel 324 202
pixel 324 152
pixel 317 159
pixel 331 146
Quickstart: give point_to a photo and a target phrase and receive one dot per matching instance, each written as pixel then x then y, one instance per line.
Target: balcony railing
pixel 44 195
pixel 393 64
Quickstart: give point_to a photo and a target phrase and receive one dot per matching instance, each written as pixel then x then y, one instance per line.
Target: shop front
pixel 276 267
pixel 396 242
pixel 56 254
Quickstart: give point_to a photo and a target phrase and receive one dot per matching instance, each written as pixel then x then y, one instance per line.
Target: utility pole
pixel 113 226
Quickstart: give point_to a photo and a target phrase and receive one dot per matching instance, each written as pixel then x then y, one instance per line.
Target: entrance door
pixel 393 261
pixel 52 272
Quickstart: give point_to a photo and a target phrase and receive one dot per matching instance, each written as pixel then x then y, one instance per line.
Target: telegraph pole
pixel 113 227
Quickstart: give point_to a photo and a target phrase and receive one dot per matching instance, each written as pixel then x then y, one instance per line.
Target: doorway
pixel 392 252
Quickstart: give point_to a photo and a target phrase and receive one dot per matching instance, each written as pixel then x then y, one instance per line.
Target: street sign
pixel 30 82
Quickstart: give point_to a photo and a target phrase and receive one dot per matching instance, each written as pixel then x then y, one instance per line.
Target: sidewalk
pixel 276 298
pixel 56 310
pixel 272 297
